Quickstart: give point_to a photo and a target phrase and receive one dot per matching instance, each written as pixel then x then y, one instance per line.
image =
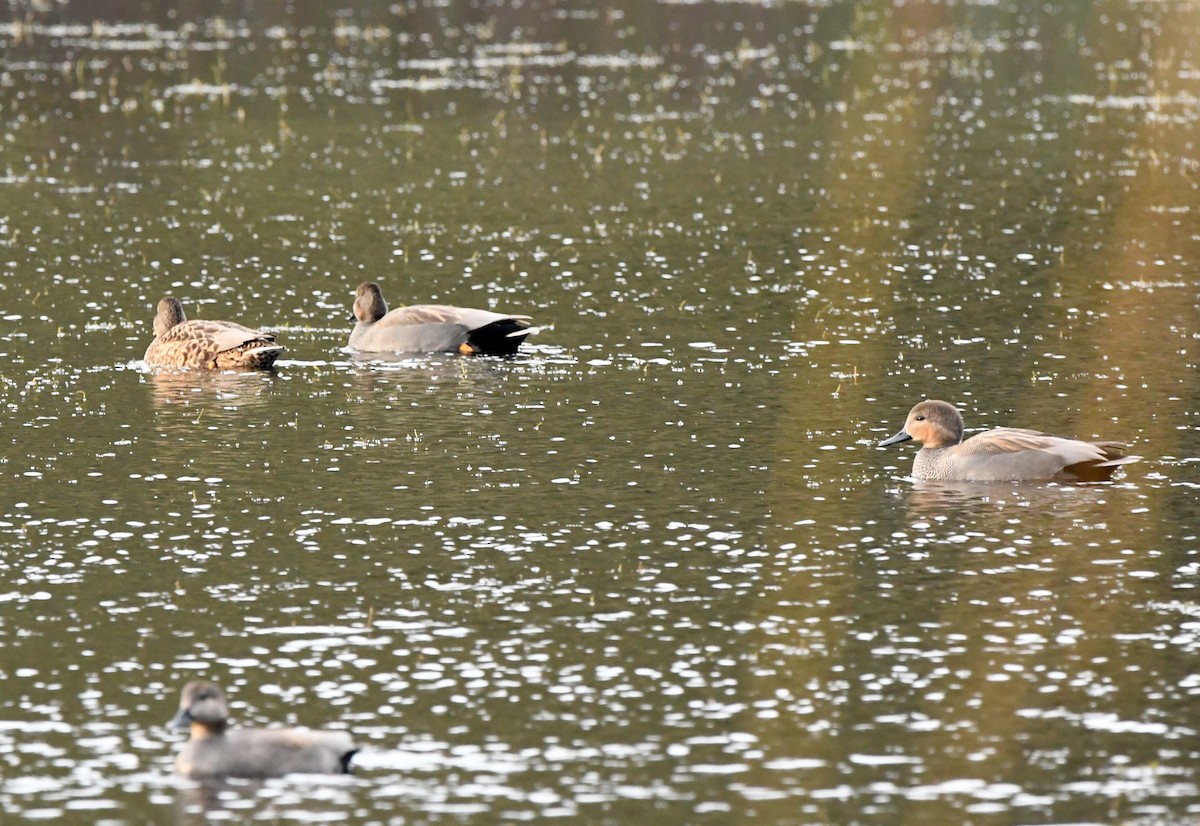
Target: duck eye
pixel 920 418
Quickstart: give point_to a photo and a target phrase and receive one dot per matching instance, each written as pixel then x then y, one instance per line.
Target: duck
pixel 432 328
pixel 1008 454
pixel 216 751
pixel 213 345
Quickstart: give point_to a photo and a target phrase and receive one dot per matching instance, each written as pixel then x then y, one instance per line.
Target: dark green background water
pixel 655 566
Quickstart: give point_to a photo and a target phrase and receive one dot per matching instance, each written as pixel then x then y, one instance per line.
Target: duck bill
pixel 902 436
pixel 182 720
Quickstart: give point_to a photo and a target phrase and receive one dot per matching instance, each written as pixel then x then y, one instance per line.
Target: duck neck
pixel 360 329
pixel 203 731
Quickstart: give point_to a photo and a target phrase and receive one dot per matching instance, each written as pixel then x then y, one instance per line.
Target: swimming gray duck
pixel 1003 454
pixel 215 345
pixel 432 328
pixel 214 750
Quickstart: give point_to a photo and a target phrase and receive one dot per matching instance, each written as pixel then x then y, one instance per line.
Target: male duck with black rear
pixel 215 750
pixel 432 328
pixel 1004 454
pixel 213 345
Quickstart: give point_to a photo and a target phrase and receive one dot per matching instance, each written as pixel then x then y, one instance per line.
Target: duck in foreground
pixel 432 328
pixel 1008 454
pixel 215 345
pixel 214 750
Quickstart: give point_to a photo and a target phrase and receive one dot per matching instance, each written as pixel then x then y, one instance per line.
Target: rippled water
pixel 655 565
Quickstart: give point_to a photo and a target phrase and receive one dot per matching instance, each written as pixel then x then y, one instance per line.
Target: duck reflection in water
pixel 181 398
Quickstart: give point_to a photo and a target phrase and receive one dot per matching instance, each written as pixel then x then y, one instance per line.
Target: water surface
pixel 654 566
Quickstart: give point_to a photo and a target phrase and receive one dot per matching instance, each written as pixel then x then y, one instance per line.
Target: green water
pixel 655 566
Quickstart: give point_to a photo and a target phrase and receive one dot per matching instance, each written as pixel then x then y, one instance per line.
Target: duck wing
pixel 218 336
pixel 213 344
pixel 276 752
pixel 465 317
pixel 436 328
pixel 1017 439
pixel 1014 452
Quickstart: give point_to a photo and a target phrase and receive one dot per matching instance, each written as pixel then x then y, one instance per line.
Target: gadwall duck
pixel 216 751
pixel 216 345
pixel 432 328
pixel 1008 454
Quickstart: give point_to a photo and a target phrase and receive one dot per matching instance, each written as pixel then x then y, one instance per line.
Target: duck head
pixel 202 709
pixel 369 305
pixel 933 423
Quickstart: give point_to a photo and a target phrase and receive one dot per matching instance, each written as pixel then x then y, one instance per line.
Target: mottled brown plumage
pixel 214 345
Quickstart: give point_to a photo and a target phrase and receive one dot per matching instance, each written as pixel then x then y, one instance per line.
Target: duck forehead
pixel 193 688
pixel 942 413
pixel 201 693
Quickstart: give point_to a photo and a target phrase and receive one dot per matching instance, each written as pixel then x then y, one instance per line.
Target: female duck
pixel 432 328
pixel 215 345
pixel 216 751
pixel 1004 454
